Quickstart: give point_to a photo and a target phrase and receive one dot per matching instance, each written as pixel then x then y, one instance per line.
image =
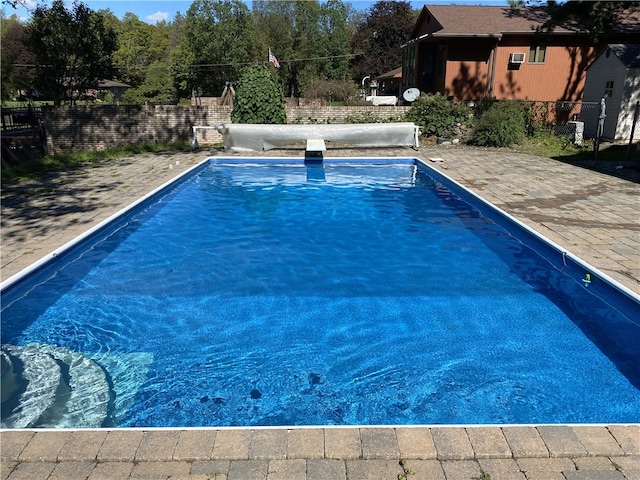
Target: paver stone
pixel 380 443
pixel 488 442
pixel 32 471
pixel 594 475
pixel 72 471
pixel 287 469
pixel 525 442
pixel 342 443
pixel 598 440
pixel 195 445
pixel 44 447
pixel 248 470
pixel 326 469
pixel 111 470
pixel 461 469
pixel 501 468
pixel 628 437
pixel 157 446
pixel 305 443
pixel 157 469
pixel 452 443
pixel 82 445
pixel 268 444
pixel 562 441
pixel 424 470
pixel 232 445
pixel 120 446
pixel 416 443
pixel 12 443
pixel 370 469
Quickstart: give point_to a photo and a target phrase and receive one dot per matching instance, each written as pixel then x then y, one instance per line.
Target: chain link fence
pixel 592 121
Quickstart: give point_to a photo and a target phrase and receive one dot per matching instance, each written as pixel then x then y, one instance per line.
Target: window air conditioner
pixel 516 58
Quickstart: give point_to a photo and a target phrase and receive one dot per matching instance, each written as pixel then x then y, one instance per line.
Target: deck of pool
pixel 589 214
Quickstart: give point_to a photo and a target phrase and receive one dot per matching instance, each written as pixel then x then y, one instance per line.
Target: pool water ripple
pixel 252 296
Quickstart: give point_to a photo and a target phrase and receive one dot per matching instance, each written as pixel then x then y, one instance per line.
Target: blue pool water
pixel 331 295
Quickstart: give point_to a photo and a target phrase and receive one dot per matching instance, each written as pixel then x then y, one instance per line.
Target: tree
pixel 308 45
pixel 310 39
pixel 275 29
pixel 16 59
pixel 220 39
pixel 380 37
pixel 157 87
pixel 135 50
pixel 335 32
pixel 72 49
pixel 17 3
pixel 143 61
pixel 181 57
pixel 599 18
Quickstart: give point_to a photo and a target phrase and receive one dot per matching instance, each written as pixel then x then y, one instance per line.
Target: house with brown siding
pixel 471 52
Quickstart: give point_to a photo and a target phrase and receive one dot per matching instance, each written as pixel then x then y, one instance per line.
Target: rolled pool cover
pixel 246 137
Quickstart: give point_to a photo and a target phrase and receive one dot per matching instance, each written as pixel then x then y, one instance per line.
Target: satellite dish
pixel 410 94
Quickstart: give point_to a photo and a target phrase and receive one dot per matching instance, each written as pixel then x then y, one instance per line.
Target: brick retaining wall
pixel 77 128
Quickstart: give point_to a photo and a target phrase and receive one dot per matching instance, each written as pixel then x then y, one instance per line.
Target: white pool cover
pixel 245 137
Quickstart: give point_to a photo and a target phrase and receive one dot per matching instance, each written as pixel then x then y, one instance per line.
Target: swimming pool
pixel 348 292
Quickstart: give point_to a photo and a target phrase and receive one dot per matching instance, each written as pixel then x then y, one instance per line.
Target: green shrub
pixel 436 115
pixel 259 98
pixel 330 90
pixel 367 116
pixel 502 125
pixel 484 104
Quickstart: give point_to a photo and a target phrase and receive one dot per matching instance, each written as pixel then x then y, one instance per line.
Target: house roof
pixel 480 20
pixel 629 54
pixel 395 73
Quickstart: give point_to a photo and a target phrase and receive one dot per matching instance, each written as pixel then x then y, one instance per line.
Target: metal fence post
pixel 633 130
pixel 601 117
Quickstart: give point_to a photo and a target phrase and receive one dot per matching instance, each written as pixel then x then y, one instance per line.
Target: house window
pixel 537 53
pixel 608 89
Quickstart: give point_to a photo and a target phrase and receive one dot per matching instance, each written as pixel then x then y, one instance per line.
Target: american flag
pixel 273 59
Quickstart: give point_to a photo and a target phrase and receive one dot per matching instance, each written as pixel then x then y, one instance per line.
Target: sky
pixel 152 11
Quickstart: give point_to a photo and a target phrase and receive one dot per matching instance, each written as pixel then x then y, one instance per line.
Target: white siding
pixel 626 92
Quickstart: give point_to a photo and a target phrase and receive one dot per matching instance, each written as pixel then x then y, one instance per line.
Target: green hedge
pixel 502 125
pixel 436 115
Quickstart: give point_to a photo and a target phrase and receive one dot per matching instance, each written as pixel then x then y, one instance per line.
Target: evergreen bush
pixel 502 125
pixel 259 98
pixel 436 115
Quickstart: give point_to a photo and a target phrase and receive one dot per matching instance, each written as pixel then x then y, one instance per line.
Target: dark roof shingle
pixel 490 20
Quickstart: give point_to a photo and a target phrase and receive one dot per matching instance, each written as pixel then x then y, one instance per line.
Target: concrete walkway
pixel 589 214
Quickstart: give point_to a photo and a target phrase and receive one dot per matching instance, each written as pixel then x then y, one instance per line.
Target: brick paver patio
pixel 509 452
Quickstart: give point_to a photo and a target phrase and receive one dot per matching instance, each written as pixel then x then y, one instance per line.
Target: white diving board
pixel 316 145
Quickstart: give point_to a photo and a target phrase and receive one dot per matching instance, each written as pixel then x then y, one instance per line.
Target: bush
pixel 259 99
pixel 502 125
pixel 368 116
pixel 330 90
pixel 484 105
pixel 436 115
